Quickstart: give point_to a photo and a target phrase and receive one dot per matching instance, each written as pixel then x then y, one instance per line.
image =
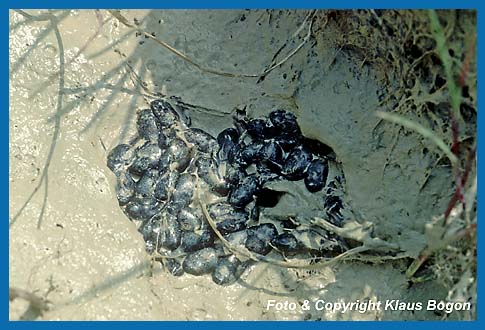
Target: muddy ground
pixel 72 245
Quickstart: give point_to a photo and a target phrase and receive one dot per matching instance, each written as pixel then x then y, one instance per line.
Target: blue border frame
pixel 220 4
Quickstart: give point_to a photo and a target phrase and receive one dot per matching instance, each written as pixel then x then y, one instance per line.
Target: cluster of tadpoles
pixel 162 175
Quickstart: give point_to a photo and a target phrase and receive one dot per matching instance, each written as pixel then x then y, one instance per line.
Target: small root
pixel 125 22
pixel 302 264
pixel 261 76
pixel 391 150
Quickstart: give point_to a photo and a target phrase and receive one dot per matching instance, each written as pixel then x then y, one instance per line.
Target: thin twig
pixel 294 51
pixel 261 76
pixel 286 264
pixel 425 132
pixel 136 80
pixel 460 177
pixel 464 179
pixel 125 22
